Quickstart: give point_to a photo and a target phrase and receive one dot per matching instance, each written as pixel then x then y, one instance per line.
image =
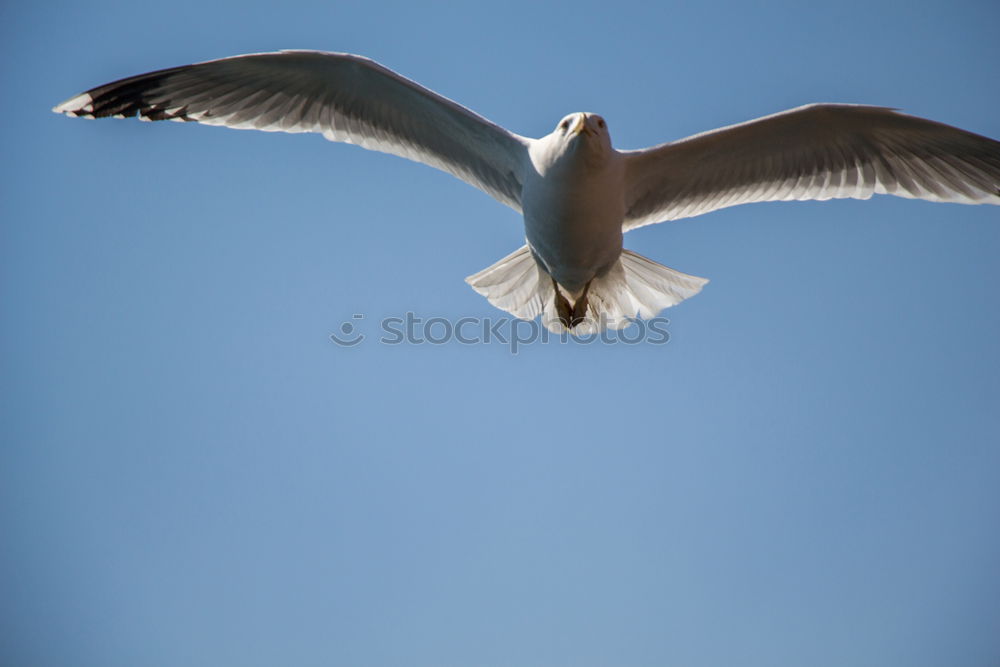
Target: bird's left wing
pixel 820 151
pixel 345 97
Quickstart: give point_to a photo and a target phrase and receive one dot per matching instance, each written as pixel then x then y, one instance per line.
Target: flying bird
pixel 578 195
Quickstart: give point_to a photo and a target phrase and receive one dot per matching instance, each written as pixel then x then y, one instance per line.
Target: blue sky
pixel 808 473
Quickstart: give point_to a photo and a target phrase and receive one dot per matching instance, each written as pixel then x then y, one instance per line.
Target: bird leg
pixel 570 316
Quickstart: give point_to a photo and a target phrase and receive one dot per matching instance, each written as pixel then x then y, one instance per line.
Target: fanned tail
pixel 634 287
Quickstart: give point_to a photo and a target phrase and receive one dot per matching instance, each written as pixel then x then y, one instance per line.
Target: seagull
pixel 578 195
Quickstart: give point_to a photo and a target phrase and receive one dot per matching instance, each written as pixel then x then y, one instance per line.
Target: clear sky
pixel 192 473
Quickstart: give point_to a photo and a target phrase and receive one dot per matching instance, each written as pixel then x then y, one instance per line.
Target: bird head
pixel 583 129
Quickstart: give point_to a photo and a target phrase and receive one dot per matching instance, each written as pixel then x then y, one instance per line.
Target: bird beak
pixel 579 125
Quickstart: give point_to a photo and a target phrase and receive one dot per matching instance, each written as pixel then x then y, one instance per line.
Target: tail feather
pixel 653 287
pixel 634 286
pixel 515 284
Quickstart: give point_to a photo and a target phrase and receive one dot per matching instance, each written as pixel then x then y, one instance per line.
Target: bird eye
pixel 600 123
pixel 564 125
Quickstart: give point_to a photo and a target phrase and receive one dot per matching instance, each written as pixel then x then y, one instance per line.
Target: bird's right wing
pixel 345 97
pixel 820 151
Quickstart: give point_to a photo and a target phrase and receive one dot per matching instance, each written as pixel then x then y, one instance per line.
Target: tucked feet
pixel 571 315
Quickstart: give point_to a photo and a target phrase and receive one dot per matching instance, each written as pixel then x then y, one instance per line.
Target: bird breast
pixel 573 211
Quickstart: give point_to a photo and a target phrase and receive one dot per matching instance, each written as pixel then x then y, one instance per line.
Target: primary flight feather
pixel 578 195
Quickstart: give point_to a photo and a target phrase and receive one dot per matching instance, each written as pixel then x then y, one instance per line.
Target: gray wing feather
pixel 820 151
pixel 344 97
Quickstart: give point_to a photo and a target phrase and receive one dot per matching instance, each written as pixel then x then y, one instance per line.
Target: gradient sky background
pixel 193 474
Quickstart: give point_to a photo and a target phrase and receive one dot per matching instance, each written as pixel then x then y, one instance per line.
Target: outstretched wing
pixel 820 151
pixel 345 97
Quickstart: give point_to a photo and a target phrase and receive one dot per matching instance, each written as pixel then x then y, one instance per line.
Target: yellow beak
pixel 579 125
